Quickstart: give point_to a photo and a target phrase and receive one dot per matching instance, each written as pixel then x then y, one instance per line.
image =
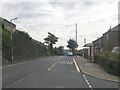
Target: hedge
pixel 111 66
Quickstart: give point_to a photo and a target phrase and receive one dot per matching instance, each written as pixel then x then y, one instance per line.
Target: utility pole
pixel 76 38
pixel 84 41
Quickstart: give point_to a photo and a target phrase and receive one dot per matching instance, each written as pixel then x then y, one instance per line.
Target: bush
pixel 109 55
pixel 111 66
pixel 23 46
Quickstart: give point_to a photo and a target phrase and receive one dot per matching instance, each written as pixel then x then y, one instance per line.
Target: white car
pixel 70 54
pixel 116 49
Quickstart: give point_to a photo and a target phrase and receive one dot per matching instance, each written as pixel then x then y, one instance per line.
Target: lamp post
pixel 12 38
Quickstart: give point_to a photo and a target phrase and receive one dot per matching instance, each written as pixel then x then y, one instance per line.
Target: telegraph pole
pixel 76 32
pixel 84 41
pixel 76 38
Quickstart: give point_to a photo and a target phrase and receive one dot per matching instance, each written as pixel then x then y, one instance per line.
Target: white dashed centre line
pixel 52 66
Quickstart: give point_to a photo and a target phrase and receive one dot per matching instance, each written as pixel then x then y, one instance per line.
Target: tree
pixel 50 40
pixel 59 50
pixel 6 43
pixel 72 45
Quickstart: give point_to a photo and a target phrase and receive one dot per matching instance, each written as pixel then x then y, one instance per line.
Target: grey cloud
pixel 88 3
pixel 65 5
pixel 27 9
pixel 72 5
pixel 21 6
pixel 87 35
pixel 29 15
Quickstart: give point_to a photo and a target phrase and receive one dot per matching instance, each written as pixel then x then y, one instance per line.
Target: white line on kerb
pixel 76 65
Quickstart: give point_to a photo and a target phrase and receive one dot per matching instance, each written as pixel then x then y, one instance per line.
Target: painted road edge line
pixel 76 65
pixel 83 75
pixel 87 82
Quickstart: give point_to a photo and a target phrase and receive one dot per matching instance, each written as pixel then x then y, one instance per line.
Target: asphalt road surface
pixel 50 72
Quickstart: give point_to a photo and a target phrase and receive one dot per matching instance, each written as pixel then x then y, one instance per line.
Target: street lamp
pixel 13 19
pixel 12 38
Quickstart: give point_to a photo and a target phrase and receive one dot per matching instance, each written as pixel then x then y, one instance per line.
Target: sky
pixel 38 17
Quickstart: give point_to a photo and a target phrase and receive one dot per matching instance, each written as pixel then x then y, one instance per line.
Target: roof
pixel 2 19
pixel 116 28
pixel 88 45
pixel 97 39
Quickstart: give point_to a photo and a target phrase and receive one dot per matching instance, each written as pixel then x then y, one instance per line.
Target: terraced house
pixel 7 25
pixel 109 41
pixel 107 50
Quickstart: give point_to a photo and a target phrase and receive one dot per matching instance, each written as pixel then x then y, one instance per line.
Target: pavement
pixel 94 69
pixel 5 62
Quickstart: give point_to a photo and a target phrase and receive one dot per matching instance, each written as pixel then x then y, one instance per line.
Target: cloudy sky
pixel 38 17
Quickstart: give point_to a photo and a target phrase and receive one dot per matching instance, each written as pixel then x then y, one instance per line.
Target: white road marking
pixel 76 65
pixel 87 82
pixel 65 62
pixel 59 87
pixel 83 75
pixel 62 62
pixel 23 77
pixel 48 68
pixel 52 66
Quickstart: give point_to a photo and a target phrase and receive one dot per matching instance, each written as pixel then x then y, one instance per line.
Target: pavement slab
pixel 95 70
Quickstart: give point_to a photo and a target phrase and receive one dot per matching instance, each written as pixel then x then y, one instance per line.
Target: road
pixel 50 72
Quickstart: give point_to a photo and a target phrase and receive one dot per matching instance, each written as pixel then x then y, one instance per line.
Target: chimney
pixel 110 27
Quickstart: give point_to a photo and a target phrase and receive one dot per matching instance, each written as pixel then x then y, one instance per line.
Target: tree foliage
pixel 0 36
pixel 59 50
pixel 23 46
pixel 72 44
pixel 6 43
pixel 50 40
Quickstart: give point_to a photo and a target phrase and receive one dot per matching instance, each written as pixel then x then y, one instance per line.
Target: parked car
pixel 116 49
pixel 70 54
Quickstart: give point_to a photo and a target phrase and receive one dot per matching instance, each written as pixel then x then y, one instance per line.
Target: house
pixel 111 38
pixel 7 25
pixel 90 51
pixel 98 44
pixel 108 40
pixel 83 52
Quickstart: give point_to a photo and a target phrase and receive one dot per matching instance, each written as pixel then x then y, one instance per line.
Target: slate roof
pixel 116 28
